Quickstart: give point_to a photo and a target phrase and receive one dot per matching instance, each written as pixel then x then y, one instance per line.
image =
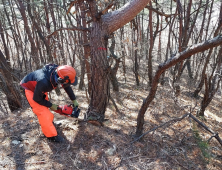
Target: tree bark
pixel 12 94
pixel 116 19
pixel 99 71
pixel 102 27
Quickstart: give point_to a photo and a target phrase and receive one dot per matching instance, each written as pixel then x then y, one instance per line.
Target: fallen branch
pixel 207 128
pixel 179 119
pixel 178 57
pixel 162 125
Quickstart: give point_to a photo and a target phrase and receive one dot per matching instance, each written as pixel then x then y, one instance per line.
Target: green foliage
pixel 202 118
pixel 203 145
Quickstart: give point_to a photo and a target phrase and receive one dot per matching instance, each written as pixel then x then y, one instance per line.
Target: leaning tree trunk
pixel 12 94
pixel 214 42
pixel 99 74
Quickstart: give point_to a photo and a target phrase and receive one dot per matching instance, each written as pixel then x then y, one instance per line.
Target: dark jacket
pixel 42 81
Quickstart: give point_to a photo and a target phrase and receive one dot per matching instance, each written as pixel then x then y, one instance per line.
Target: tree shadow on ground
pixel 15 141
pixel 92 147
pixel 88 148
pixel 106 147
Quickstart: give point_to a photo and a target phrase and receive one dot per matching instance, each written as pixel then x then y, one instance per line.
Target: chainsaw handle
pixel 75 112
pixel 59 110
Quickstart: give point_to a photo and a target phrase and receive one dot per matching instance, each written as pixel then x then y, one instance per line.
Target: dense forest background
pixel 162 57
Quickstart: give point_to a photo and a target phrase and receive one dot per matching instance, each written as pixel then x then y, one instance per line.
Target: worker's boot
pixel 58 139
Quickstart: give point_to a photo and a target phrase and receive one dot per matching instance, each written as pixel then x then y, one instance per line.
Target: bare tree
pixel 34 51
pixel 212 83
pixel 209 55
pixel 214 42
pixel 38 29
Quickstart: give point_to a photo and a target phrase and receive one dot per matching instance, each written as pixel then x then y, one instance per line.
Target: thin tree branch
pixel 107 8
pixel 69 29
pixel 158 12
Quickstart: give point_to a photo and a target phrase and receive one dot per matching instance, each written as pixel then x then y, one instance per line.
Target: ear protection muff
pixel 62 81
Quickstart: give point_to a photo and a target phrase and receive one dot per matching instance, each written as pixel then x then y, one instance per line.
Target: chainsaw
pixel 68 110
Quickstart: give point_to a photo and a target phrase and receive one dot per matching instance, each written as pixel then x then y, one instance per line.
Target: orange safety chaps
pixel 44 115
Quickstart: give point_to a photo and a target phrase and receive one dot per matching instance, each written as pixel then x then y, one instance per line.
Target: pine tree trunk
pixel 99 71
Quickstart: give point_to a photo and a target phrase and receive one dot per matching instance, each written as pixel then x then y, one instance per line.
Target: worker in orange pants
pixel 44 115
pixel 38 83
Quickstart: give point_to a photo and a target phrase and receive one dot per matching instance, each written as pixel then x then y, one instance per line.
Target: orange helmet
pixel 66 73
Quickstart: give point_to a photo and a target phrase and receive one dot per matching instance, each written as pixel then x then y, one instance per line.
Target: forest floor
pixel 177 145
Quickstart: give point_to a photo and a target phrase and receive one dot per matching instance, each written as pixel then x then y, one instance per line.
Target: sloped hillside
pixel 174 145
